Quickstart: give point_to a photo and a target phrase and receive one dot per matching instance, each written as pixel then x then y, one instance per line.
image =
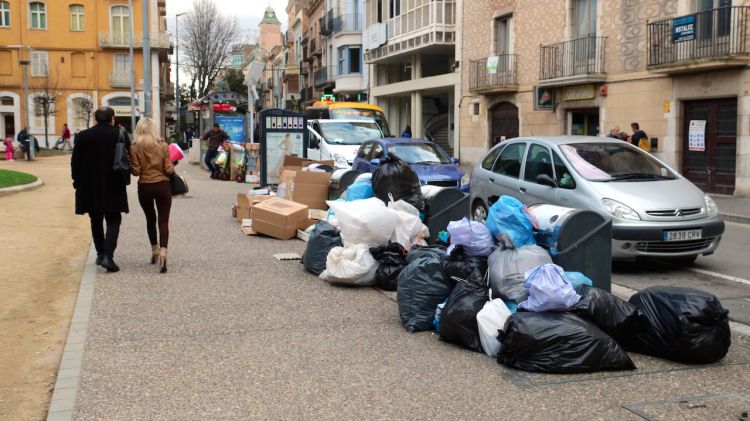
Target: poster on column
pixel 697 136
pixel 279 145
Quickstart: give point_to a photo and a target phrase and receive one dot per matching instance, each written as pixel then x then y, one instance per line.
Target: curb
pixel 62 405
pixel 24 187
pixel 730 217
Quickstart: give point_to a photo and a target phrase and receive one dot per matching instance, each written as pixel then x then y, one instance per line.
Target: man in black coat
pixel 98 193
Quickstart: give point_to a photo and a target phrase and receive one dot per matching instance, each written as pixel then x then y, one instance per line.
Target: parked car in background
pixel 433 166
pixel 339 140
pixel 654 210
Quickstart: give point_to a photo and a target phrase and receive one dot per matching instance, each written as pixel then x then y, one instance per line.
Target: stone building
pixel 538 67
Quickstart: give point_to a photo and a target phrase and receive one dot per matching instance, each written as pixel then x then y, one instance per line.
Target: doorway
pixel 504 122
pixel 583 122
pixel 711 164
pixel 9 127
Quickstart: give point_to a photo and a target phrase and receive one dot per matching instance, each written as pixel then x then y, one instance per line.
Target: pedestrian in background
pixel 99 193
pixel 23 142
pixel 9 149
pixel 216 137
pixel 407 132
pixel 149 160
pixel 640 138
pixel 66 137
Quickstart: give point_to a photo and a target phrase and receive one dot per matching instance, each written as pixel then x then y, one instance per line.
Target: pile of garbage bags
pixel 493 290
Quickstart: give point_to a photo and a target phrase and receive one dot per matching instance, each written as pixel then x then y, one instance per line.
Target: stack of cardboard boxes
pixel 301 201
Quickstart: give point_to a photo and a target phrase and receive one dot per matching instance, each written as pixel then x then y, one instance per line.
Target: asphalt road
pixel 709 273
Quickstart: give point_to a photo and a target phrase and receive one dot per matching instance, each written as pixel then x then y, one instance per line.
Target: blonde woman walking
pixel 149 159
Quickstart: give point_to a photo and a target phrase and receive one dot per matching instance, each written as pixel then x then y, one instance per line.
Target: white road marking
pixel 720 275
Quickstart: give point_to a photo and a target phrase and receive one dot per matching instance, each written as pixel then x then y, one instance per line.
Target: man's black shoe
pixel 99 258
pixel 109 264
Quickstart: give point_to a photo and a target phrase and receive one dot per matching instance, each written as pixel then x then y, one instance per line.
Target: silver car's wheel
pixel 479 212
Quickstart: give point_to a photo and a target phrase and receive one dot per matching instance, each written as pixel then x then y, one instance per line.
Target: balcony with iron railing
pixel 119 79
pixel 316 49
pixel 573 62
pixel 489 76
pixel 157 40
pixel 429 24
pixel 715 38
pixel 326 24
pixel 322 77
pixel 347 23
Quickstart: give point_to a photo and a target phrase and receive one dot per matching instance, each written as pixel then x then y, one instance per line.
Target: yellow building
pixel 78 53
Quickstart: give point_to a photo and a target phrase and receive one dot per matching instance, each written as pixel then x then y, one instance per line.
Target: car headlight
pixel 711 207
pixel 339 161
pixel 466 180
pixel 620 210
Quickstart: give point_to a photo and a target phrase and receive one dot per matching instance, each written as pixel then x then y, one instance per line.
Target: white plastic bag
pixel 366 221
pixel 472 235
pixel 548 290
pixel 409 229
pixel 491 318
pixel 353 265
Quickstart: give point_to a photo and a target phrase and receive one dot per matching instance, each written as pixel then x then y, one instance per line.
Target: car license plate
pixel 684 235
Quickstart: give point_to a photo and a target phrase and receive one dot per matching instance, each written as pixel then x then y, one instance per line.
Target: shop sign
pixel 224 108
pixel 544 98
pixel 492 64
pixel 697 136
pixel 683 28
pixel 578 93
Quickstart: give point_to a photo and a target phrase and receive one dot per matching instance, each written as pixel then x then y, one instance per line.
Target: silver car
pixel 654 210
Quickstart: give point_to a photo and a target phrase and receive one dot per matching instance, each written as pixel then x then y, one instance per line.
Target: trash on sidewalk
pixel 279 218
pixel 559 342
pixel 323 239
pixel 245 203
pixel 510 217
pixel 394 179
pixel 686 325
pixel 287 256
pixel 472 235
pixel 613 315
pixel 492 319
pixel 409 229
pixel 366 221
pixel 247 227
pixel 508 267
pixel 391 259
pixel 351 265
pixel 421 287
pixel 458 322
pixel 460 265
pixel 548 290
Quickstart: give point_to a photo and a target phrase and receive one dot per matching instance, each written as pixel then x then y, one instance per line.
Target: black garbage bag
pixel 416 252
pixel 421 287
pixel 553 342
pixel 458 321
pixel 463 266
pixel 392 259
pixel 507 267
pixel 687 325
pixel 615 316
pixel 323 238
pixel 395 177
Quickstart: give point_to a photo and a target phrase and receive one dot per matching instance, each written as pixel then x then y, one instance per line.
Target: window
pixel 78 65
pixel 377 152
pixel 502 35
pixel 509 162
pixel 76 17
pixel 6 101
pixel 39 63
pixel 354 60
pixel 120 25
pixel 4 14
pixel 40 102
pixel 584 18
pixel 349 60
pixel 489 160
pixel 562 174
pixel 364 151
pixel 80 117
pixel 38 15
pixel 538 162
pixel 121 65
pixel 342 59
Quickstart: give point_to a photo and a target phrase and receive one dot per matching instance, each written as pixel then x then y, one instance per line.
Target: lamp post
pixel 25 65
pixel 177 76
pixel 132 71
pixel 147 88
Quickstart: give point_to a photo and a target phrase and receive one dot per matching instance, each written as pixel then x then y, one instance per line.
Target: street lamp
pixel 25 65
pixel 177 75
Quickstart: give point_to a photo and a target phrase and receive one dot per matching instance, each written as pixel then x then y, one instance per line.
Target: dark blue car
pixel 430 162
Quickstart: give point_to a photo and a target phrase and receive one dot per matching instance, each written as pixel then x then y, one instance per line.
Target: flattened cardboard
pixel 311 188
pixel 279 218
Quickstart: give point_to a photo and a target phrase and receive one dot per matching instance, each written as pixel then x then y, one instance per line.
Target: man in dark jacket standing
pixel 216 137
pixel 98 193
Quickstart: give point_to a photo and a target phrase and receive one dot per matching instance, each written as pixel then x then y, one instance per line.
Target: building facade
pixel 78 60
pixel 413 50
pixel 677 67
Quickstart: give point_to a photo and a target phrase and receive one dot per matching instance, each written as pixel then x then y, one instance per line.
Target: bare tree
pixel 85 109
pixel 206 42
pixel 45 100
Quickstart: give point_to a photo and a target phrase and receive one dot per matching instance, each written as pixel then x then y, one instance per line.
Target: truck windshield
pixel 348 132
pixel 362 114
pixel 605 162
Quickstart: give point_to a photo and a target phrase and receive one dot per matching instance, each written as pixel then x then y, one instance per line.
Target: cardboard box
pixel 310 188
pixel 295 163
pixel 279 218
pixel 245 203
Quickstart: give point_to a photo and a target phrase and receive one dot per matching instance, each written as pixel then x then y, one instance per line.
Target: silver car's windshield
pixel 614 162
pixel 350 133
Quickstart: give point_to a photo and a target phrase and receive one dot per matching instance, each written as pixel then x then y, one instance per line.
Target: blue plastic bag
pixel 576 279
pixel 438 314
pixel 473 236
pixel 548 290
pixel 510 217
pixel 359 191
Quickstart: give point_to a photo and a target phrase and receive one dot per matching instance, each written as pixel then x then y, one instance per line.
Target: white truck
pixel 339 140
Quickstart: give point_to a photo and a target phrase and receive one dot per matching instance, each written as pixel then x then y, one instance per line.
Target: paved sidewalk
pixel 733 209
pixel 231 333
